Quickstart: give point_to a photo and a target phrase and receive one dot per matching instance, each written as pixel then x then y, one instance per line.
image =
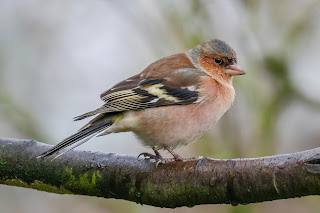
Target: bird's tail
pixel 93 128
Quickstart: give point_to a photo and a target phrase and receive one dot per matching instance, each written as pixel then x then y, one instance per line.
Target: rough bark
pixel 173 184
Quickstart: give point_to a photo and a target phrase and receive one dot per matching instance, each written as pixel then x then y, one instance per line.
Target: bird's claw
pixel 164 161
pixel 159 159
pixel 150 156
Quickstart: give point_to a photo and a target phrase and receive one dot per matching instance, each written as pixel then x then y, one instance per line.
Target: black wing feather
pixel 138 94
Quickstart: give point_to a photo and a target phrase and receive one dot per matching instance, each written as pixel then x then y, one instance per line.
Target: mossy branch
pixel 173 184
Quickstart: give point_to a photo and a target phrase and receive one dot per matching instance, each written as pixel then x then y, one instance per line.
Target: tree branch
pixel 173 184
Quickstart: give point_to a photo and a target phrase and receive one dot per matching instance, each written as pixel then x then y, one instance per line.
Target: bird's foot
pixel 178 158
pixel 151 156
pixel 157 158
pixel 175 155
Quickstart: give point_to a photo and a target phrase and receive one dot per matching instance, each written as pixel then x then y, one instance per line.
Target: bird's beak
pixel 234 69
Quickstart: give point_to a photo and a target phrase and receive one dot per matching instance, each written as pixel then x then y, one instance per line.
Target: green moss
pixel 93 179
pixel 82 183
pixel 96 175
pixel 132 193
pixel 86 182
pixel 165 194
pixel 2 165
pixel 37 185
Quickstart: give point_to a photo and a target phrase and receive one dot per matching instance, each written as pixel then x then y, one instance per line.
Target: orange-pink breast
pixel 178 125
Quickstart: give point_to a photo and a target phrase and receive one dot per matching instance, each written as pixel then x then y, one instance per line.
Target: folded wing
pixel 163 86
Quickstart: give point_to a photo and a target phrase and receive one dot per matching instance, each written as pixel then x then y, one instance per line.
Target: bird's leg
pixel 157 153
pixel 175 155
pixel 151 156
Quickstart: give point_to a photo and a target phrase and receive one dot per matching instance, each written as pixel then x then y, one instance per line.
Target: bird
pixel 170 104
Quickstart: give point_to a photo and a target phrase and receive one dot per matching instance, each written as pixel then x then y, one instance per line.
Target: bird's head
pixel 217 59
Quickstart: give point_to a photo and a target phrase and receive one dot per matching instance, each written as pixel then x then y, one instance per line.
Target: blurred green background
pixel 56 57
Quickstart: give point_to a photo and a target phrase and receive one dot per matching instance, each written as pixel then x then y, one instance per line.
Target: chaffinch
pixel 169 104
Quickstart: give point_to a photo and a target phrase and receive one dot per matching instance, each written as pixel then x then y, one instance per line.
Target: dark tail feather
pixel 86 115
pixel 81 135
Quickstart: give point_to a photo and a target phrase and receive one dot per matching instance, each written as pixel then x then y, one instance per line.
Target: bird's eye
pixel 218 60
